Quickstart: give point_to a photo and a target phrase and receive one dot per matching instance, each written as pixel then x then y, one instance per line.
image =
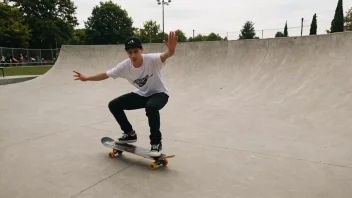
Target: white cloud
pixel 225 16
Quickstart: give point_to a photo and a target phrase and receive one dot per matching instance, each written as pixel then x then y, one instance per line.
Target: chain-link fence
pixel 265 33
pixel 27 57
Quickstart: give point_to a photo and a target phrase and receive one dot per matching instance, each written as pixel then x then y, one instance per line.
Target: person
pixel 144 72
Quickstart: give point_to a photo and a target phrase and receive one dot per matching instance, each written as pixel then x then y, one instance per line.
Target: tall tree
pixel 286 30
pixel 248 31
pixel 348 20
pixel 13 30
pixel 51 21
pixel 313 26
pixel 108 24
pixel 337 24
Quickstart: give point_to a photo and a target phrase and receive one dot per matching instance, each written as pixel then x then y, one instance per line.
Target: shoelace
pixel 124 136
pixel 155 147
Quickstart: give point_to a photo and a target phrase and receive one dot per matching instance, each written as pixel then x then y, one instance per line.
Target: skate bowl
pixel 247 118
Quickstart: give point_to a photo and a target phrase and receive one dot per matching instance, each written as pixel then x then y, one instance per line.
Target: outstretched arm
pixel 97 77
pixel 171 47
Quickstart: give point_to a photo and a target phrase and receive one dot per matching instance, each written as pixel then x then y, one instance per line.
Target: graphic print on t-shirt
pixel 141 82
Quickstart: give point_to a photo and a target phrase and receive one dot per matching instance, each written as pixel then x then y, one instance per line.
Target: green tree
pixel 160 38
pixel 50 21
pixel 313 26
pixel 337 24
pixel 181 35
pixel 149 33
pixel 108 24
pixel 348 20
pixel 13 30
pixel 214 37
pixel 286 30
pixel 79 37
pixel 279 34
pixel 247 31
pixel 199 37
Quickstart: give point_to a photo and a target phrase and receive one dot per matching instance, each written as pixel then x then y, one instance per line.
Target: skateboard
pixel 139 151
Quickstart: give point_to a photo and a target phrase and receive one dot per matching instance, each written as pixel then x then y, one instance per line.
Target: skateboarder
pixel 144 72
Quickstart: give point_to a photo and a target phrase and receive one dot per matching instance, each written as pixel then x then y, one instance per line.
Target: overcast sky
pixel 225 17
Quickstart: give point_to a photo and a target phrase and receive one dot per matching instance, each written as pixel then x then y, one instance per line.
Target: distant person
pixel 21 58
pixel 144 72
pixel 13 60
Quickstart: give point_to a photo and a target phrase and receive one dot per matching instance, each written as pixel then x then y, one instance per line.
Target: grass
pixel 26 70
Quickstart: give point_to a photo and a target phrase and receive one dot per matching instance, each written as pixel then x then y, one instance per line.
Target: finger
pixel 77 73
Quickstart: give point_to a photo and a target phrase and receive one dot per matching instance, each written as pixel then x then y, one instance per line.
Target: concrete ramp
pixel 253 118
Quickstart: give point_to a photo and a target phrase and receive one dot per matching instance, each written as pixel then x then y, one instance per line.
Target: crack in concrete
pixel 104 179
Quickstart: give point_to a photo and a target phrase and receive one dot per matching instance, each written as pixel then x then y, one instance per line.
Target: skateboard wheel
pixel 111 154
pixel 117 151
pixel 153 166
pixel 165 162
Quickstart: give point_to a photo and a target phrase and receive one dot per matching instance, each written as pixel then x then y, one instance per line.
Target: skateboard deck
pixel 139 151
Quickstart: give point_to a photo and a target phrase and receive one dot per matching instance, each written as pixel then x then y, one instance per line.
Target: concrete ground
pixel 255 118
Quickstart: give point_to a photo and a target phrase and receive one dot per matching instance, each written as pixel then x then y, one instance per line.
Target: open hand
pixel 80 76
pixel 172 41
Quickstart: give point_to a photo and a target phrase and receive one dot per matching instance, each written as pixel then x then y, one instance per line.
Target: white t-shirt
pixel 147 79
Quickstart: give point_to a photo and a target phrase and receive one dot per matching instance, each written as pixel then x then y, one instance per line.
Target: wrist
pixel 171 51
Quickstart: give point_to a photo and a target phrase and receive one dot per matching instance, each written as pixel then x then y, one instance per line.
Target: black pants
pixel 131 101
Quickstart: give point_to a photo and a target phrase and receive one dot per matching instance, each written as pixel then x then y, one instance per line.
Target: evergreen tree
pixel 285 30
pixel 337 24
pixel 247 31
pixel 313 26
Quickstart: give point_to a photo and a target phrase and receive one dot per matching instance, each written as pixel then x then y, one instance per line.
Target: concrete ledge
pixel 15 79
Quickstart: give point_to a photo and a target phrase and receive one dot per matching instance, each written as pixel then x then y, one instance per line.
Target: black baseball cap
pixel 133 42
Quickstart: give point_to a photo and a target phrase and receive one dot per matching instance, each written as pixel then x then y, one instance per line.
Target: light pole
pixel 163 3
